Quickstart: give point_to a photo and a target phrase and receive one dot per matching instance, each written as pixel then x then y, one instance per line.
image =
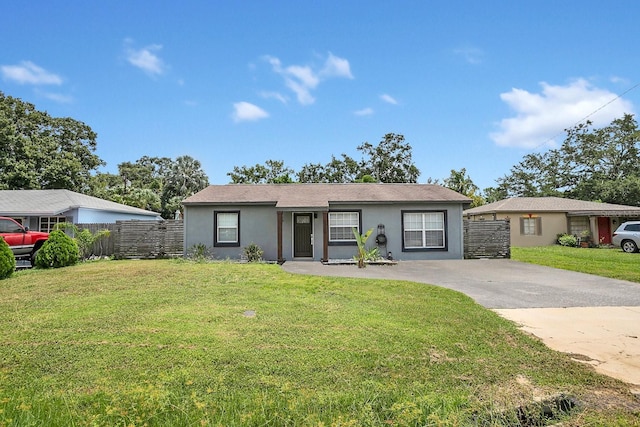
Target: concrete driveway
pixel 595 319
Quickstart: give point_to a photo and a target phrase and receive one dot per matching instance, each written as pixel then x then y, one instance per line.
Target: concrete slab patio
pixel 595 319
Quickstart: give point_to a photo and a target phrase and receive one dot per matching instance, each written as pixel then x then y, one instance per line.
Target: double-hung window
pixel 341 225
pixel 423 230
pixel 227 228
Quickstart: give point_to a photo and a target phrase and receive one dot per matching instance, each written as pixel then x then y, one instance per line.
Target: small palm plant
pixel 361 240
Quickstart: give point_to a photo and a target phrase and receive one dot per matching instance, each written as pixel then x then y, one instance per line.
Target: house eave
pixel 630 213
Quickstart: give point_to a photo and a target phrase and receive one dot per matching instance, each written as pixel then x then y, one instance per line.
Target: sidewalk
pixel 604 337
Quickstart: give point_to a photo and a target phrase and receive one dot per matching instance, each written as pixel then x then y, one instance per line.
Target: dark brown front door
pixel 302 229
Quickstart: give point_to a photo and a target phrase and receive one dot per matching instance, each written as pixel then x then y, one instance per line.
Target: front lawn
pixel 174 343
pixel 607 262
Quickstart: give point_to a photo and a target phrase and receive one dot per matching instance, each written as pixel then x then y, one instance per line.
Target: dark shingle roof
pixel 54 202
pixel 554 204
pixel 321 195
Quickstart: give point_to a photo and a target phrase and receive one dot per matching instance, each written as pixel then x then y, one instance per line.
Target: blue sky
pixel 470 84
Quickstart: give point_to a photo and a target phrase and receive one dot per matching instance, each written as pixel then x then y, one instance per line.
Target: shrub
pixel 568 240
pixel 7 260
pixel 199 253
pixel 59 250
pixel 84 238
pixel 253 252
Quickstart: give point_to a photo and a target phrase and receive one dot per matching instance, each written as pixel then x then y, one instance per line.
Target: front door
pixel 604 231
pixel 302 234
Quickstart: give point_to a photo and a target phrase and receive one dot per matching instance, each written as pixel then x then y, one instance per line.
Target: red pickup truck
pixel 23 243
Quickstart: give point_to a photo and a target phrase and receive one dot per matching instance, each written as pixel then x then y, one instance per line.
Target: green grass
pixel 173 343
pixel 606 262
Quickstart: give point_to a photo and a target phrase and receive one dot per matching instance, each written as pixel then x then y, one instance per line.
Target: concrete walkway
pixel 595 319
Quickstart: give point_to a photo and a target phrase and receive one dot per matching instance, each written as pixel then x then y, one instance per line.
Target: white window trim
pixel 352 239
pixel 50 224
pixel 218 241
pixel 423 229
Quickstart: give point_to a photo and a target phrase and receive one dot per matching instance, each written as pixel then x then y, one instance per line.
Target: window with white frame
pixel 47 223
pixel 227 228
pixel 341 225
pixel 423 230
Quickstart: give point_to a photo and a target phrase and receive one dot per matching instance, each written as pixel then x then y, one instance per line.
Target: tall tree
pixel 39 151
pixel 390 160
pixel 341 170
pixel 462 183
pixel 184 179
pixel 272 172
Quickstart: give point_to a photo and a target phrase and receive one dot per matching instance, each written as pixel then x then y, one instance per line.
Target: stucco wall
pixel 552 225
pixel 258 224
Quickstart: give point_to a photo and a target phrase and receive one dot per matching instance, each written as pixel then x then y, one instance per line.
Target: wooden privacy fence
pixel 165 239
pixel 104 246
pixel 487 239
pixel 149 239
pixel 139 239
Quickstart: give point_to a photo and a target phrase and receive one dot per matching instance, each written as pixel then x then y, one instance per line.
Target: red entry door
pixel 604 230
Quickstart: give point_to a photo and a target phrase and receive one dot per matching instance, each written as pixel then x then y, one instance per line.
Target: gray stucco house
pixel 314 221
pixel 43 209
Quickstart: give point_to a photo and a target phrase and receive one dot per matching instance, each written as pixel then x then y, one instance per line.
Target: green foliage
pixel 58 251
pixel 389 161
pixel 199 253
pixel 84 238
pixel 253 252
pixel 184 178
pixel 272 172
pixel 342 170
pixel 567 240
pixel 361 240
pixel 38 151
pixel 157 184
pixel 7 260
pixel 373 254
pixel 461 182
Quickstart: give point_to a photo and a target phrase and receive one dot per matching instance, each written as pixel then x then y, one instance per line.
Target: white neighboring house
pixel 41 210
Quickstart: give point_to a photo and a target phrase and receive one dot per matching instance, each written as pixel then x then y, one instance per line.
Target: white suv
pixel 627 236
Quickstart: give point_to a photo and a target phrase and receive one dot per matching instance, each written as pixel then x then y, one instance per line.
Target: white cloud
pixel 364 112
pixel 274 95
pixel 146 58
pixel 388 99
pixel 472 55
pixel 245 111
pixel 619 80
pixel 336 67
pixel 58 97
pixel 302 79
pixel 29 73
pixel 542 116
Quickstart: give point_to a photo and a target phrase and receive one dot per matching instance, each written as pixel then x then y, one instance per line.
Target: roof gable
pixel 322 195
pixel 55 202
